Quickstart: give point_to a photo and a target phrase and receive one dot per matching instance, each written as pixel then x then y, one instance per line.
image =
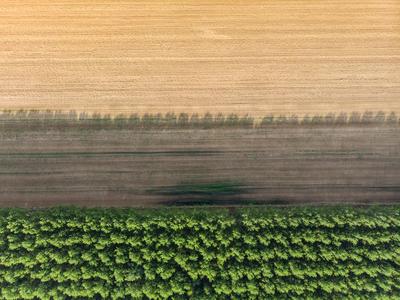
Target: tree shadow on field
pixel 212 193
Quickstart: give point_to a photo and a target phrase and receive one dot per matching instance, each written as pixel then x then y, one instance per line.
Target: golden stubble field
pixel 256 57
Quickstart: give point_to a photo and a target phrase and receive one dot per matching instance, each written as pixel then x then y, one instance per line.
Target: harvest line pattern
pixel 108 154
pixel 255 56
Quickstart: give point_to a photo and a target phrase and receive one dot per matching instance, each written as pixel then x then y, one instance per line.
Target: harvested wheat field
pixel 256 57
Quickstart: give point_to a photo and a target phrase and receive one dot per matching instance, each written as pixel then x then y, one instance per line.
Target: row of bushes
pixel 267 253
pixel 36 120
pixel 367 118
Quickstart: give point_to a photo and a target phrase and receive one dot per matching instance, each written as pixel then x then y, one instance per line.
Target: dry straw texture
pixel 194 56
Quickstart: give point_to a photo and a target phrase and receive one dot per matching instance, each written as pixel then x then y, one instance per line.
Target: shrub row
pixel 270 253
pixel 367 118
pixel 39 120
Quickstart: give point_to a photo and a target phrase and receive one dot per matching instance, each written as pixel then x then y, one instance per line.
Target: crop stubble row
pixel 255 57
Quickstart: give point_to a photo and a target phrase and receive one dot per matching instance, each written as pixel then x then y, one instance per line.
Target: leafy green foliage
pixel 253 253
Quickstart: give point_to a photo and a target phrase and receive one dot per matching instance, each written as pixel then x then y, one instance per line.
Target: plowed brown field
pixel 242 56
pixel 295 165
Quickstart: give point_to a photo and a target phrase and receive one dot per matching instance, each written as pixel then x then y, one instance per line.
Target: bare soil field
pixel 348 164
pixel 244 56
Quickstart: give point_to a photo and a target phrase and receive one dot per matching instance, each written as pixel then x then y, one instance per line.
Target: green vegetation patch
pixel 204 189
pixel 208 193
pixel 249 253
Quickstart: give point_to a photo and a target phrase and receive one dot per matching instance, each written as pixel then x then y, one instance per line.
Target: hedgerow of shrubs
pixel 270 253
pixel 58 120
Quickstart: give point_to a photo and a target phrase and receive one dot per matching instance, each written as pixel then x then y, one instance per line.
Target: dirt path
pixel 249 56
